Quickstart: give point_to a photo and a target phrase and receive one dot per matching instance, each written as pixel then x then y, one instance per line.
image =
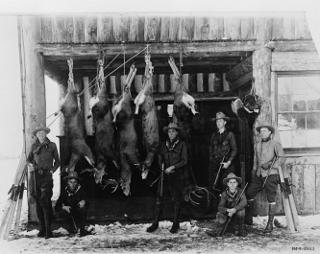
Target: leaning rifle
pixel 225 226
pixel 214 187
pixel 269 169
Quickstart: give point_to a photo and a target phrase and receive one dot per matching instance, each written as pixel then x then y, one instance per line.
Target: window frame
pixel 277 74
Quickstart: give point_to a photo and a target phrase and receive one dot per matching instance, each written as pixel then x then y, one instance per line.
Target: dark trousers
pixel 270 186
pixel 44 185
pixel 75 219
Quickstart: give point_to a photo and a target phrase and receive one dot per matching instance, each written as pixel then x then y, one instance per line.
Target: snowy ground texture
pixel 192 238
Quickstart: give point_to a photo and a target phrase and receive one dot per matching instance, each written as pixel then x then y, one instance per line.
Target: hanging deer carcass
pixel 126 133
pixel 104 130
pixel 74 128
pixel 150 128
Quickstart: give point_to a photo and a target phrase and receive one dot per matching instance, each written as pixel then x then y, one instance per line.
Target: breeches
pixel 270 186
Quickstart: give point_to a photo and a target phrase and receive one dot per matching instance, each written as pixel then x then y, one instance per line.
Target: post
pixel 62 94
pixel 33 88
pixel 86 98
pixel 200 82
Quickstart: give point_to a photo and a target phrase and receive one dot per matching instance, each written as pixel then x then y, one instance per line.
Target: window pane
pixel 285 103
pixel 314 104
pixel 299 105
pixel 313 121
pixel 289 121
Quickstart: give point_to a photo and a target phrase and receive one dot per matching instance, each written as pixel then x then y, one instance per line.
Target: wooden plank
pixel 152 28
pixel 90 29
pixel 292 46
pixel 174 24
pixel 186 28
pixel 161 86
pixel 113 87
pixel 138 83
pixel 211 78
pixel 216 28
pixel 288 28
pixel 261 63
pixel 298 185
pixel 247 28
pixel 232 28
pixel 277 28
pixel 301 28
pixel 203 49
pixel 225 83
pixel 263 29
pixel 136 31
pixel 105 29
pixel 200 83
pixel 165 27
pixel 79 29
pixel 201 28
pixel 155 83
pixel 295 61
pixel 309 190
pixel 317 189
pixel 121 26
pixel 64 29
pixel 46 31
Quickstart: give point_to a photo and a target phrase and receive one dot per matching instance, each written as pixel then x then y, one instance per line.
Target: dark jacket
pixel 222 144
pixel 228 201
pixel 68 198
pixel 44 156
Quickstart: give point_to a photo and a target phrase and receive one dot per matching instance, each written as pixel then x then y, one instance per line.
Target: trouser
pixel 238 217
pixel 44 185
pixel 270 186
pixel 75 219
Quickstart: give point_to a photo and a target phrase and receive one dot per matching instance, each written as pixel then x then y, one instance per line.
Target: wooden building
pixel 221 55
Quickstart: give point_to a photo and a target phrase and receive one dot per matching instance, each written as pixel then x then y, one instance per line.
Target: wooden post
pixel 62 94
pixel 113 86
pixel 33 88
pixel 161 87
pixel 86 98
pixel 185 81
pixel 211 78
pixel 226 86
pixel 200 82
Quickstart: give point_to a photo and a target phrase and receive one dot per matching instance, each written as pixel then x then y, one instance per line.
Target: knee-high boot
pixel 249 213
pixel 175 225
pixel 269 227
pixel 155 223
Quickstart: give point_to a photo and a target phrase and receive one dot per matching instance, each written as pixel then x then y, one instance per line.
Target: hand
pixel 30 167
pixel 66 208
pixel 82 203
pixel 231 211
pixel 169 170
pixel 226 164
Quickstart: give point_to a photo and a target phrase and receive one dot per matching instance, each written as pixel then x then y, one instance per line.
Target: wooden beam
pixel 295 61
pixel 292 45
pixel 189 48
pixel 161 87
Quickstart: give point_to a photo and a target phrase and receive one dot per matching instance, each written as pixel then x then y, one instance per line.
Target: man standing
pixel 74 205
pixel 267 151
pixel 44 160
pixel 222 151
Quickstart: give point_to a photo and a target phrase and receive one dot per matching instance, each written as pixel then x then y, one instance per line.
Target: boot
pixel 84 232
pixel 242 229
pixel 42 233
pixel 175 225
pixel 249 213
pixel 271 214
pixel 154 226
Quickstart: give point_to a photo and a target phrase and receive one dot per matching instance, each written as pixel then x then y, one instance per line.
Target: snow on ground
pixel 192 238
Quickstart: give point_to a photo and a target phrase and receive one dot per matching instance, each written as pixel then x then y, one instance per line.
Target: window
pixel 298 114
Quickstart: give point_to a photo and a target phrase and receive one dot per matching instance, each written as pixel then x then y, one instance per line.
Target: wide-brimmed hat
pixel 232 176
pixel 220 115
pixel 41 128
pixel 268 126
pixel 171 126
pixel 72 175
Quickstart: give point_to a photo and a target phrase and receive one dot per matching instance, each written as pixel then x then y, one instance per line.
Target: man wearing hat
pixel 173 159
pixel 228 207
pixel 43 160
pixel 222 150
pixel 73 205
pixel 267 149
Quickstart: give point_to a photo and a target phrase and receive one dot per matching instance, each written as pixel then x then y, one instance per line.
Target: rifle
pixel 269 169
pixel 218 174
pixel 161 180
pixel 230 217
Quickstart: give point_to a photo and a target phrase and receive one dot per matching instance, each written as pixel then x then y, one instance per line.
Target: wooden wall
pixel 111 28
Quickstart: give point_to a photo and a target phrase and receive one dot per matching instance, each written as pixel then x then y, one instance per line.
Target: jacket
pixel 68 198
pixel 264 155
pixel 44 156
pixel 228 201
pixel 221 145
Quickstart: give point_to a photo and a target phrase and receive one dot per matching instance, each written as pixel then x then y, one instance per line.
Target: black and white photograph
pixel 160 126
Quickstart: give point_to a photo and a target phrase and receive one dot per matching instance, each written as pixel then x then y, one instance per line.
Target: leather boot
pixel 155 223
pixel 271 214
pixel 249 213
pixel 175 225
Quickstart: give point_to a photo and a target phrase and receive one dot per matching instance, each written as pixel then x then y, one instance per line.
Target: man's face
pixel 232 184
pixel 221 123
pixel 172 134
pixel 72 184
pixel 41 135
pixel 265 133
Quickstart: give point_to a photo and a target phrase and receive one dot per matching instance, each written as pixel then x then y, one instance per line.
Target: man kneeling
pixel 73 205
pixel 228 207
